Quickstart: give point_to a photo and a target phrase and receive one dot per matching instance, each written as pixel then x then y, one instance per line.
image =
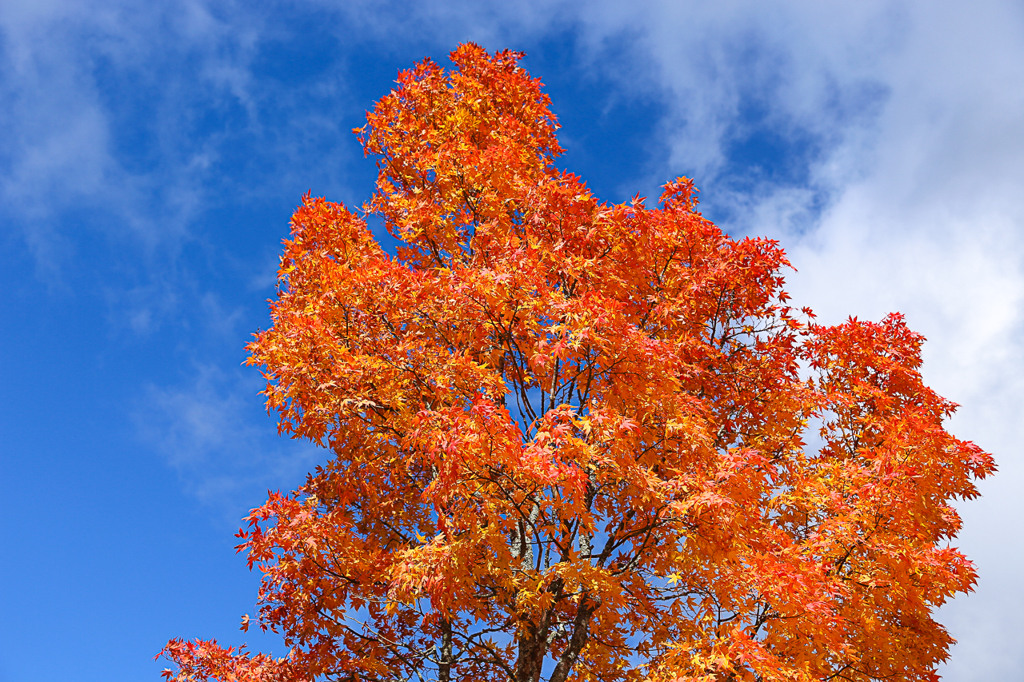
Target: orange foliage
pixel 568 437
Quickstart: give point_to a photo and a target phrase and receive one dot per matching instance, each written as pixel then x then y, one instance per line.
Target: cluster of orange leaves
pixel 578 440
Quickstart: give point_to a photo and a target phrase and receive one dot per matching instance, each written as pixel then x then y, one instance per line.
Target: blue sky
pixel 152 154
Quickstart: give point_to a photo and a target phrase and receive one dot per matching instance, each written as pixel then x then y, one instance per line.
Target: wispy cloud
pixel 214 434
pixel 130 121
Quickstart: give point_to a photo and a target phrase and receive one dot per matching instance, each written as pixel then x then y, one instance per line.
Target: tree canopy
pixel 576 440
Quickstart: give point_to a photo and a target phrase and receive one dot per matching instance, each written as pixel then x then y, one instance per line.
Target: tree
pixel 578 440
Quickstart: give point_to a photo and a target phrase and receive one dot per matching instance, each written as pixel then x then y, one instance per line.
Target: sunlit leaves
pixel 572 439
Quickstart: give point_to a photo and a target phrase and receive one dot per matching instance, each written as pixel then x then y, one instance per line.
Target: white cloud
pixel 214 433
pixel 125 124
pixel 70 73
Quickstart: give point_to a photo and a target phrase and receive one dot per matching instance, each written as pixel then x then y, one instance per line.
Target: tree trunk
pixel 579 637
pixel 445 660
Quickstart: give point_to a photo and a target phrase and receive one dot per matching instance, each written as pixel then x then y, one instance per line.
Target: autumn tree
pixel 575 440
